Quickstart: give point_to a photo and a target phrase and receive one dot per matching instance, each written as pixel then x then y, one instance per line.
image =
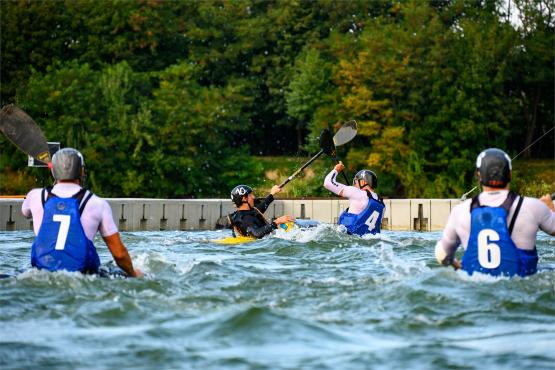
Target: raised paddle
pixel 345 134
pixel 327 145
pixel 348 133
pixel 21 130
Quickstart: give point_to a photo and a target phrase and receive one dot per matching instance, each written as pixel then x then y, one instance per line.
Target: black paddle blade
pixel 24 132
pixel 346 133
pixel 326 143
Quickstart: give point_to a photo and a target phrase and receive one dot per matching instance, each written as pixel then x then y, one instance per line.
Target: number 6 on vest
pixel 489 254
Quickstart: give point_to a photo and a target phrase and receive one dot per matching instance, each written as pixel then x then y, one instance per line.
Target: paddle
pixel 21 130
pixel 349 132
pixel 327 145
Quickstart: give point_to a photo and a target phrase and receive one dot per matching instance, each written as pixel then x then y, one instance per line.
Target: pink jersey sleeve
pixel 330 183
pixel 358 199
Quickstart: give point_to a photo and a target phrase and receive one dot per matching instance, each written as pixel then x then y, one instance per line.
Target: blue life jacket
pixel 367 221
pixel 490 248
pixel 61 243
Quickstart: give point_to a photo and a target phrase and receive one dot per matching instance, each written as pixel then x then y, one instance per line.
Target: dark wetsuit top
pixel 253 222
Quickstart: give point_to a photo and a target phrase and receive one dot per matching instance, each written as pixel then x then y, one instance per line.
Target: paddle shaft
pixel 343 172
pixel 301 169
pixel 345 177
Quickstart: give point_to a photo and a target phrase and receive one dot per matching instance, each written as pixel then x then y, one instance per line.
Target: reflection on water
pixel 306 299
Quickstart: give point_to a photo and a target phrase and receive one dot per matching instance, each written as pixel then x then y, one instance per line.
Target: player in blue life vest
pixel 366 208
pixel 66 219
pixel 498 227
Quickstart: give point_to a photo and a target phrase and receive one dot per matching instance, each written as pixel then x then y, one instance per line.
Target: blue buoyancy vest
pixel 61 243
pixel 367 221
pixel 490 248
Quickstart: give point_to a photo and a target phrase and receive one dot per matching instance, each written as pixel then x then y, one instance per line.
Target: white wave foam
pixel 380 237
pixel 144 261
pixel 73 280
pixel 310 234
pixel 323 231
pixel 187 267
pixel 478 277
pixel 398 265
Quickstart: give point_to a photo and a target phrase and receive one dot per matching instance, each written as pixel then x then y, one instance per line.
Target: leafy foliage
pixel 172 99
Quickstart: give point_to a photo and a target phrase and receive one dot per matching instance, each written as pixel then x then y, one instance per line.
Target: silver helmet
pixel 368 176
pixel 67 164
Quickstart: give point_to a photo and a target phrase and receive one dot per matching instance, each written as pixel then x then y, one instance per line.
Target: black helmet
pixel 67 164
pixel 368 176
pixel 494 166
pixel 239 192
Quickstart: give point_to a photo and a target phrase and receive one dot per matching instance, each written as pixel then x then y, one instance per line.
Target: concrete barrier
pixel 11 218
pixel 136 214
pixel 400 213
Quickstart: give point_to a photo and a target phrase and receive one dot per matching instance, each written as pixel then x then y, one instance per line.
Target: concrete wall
pixel 202 214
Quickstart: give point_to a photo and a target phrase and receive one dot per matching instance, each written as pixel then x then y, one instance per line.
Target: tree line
pixel 177 98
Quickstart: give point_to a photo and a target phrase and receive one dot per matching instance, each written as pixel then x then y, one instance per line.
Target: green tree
pixel 194 124
pixel 532 76
pixel 149 35
pixel 429 96
pixel 307 89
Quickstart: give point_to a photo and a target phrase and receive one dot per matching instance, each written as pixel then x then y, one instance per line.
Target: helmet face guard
pixel 368 176
pixel 494 167
pixel 239 192
pixel 67 164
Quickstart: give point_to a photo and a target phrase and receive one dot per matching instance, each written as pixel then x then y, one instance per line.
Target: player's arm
pixel 121 255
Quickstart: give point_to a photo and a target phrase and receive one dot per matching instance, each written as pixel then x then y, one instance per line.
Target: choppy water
pixel 314 300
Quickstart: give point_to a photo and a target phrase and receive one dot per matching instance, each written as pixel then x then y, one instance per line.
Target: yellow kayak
pixel 247 239
pixel 234 240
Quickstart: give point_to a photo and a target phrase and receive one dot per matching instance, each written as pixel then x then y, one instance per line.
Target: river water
pixel 315 299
